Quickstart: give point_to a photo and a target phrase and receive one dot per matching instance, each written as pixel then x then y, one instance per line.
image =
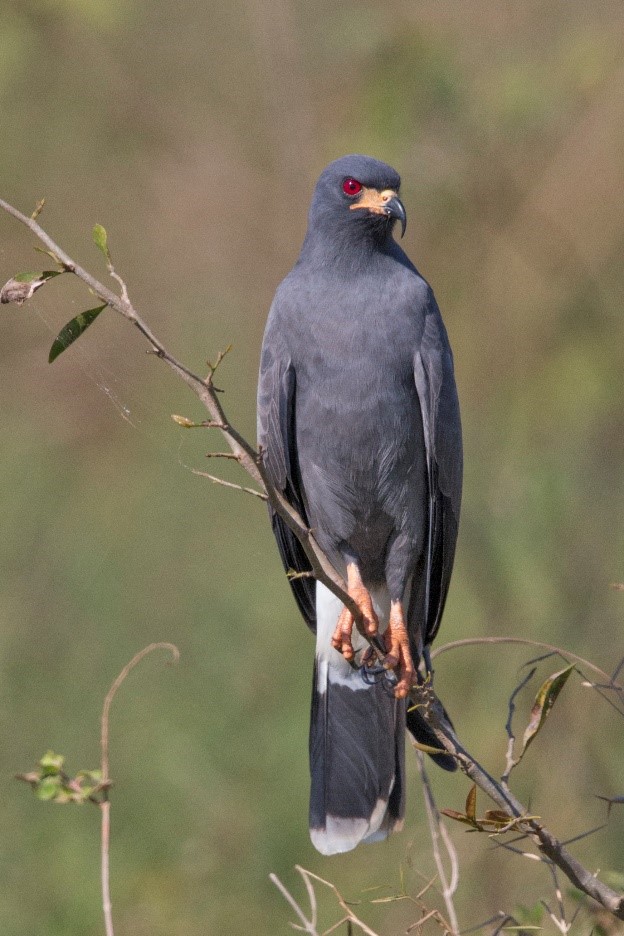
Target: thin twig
pixel 518 851
pixel 107 906
pixel 351 917
pixel 307 926
pixel 419 923
pixel 310 925
pixel 610 683
pixel 229 484
pixel 564 654
pixel 559 897
pixel 511 761
pixel 222 455
pixel 437 832
pixel 104 766
pixel 538 833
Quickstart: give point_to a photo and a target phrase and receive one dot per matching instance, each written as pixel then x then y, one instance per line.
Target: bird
pixel 359 428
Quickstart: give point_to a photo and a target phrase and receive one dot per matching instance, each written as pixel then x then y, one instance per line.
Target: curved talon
pixel 341 638
pixel 373 675
pixel 399 655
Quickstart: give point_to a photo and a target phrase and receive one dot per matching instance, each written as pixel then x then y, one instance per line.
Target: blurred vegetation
pixel 194 134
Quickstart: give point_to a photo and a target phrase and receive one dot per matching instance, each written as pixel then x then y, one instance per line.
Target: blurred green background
pixel 194 134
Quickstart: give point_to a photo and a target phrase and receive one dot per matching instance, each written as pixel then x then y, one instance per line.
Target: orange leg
pixel 368 623
pixel 399 653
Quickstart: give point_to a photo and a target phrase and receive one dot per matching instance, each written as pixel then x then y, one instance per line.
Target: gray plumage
pixel 358 420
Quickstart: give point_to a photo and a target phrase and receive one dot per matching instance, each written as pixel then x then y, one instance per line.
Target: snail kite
pixel 358 423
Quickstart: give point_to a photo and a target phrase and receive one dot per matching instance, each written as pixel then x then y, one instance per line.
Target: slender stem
pixel 477 641
pixel 110 695
pixel 104 765
pixel 437 832
pixel 107 906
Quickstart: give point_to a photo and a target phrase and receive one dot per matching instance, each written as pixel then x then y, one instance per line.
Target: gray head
pixel 356 199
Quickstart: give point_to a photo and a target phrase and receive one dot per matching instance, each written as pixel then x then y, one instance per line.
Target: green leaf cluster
pixel 51 783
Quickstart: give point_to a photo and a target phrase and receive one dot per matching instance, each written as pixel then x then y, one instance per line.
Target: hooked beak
pixel 395 209
pixel 385 203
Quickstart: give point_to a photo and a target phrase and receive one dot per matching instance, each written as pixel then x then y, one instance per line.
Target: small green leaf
pixel 48 788
pixel 73 330
pixel 544 701
pixel 26 277
pixel 52 763
pixel 183 421
pixel 93 776
pixel 43 275
pixel 100 239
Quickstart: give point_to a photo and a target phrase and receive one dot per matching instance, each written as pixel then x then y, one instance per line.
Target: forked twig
pixel 310 925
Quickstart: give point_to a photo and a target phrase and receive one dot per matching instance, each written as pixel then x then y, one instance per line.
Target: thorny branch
pixel 251 461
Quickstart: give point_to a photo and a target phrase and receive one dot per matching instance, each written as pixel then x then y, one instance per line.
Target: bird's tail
pixel 357 747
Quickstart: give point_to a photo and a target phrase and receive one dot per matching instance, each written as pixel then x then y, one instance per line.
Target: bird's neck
pixel 345 255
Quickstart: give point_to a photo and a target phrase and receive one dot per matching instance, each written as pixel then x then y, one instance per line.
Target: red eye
pixel 351 187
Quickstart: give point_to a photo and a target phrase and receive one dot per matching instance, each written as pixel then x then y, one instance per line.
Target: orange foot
pixel 368 623
pixel 399 655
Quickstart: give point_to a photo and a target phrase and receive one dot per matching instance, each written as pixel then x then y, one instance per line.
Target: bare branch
pixel 545 841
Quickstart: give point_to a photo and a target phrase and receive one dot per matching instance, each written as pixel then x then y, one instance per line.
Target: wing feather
pixel 277 438
pixel 437 393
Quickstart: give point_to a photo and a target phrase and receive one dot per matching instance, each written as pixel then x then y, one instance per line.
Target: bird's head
pixel 357 196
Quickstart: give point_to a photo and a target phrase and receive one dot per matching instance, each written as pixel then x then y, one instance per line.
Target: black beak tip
pixel 395 209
